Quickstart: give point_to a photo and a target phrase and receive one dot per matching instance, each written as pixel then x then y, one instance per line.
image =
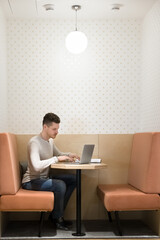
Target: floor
pixel 94 229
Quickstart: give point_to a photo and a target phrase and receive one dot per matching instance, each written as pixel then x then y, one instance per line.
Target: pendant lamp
pixel 76 41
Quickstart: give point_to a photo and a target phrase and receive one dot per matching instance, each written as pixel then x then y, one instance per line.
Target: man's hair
pixel 49 118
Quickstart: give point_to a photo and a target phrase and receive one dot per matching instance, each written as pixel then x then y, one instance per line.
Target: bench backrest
pixel 144 169
pixel 9 165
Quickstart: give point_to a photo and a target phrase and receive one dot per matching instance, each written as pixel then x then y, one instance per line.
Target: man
pixel 42 152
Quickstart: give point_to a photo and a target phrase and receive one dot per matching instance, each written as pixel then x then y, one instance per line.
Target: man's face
pixel 51 130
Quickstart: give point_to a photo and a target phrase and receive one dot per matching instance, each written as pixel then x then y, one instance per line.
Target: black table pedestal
pixel 78 205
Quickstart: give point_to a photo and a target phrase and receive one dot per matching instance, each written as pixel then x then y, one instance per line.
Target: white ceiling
pixel 91 9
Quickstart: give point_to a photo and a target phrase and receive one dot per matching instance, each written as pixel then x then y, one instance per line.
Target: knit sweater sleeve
pixel 37 163
pixel 57 152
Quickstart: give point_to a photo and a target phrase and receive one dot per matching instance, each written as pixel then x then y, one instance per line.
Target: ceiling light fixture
pixel 76 41
pixel 48 7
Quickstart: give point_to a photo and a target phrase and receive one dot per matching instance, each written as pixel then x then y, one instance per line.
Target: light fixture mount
pixel 76 7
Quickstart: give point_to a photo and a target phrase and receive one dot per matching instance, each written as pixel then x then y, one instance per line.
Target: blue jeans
pixel 61 185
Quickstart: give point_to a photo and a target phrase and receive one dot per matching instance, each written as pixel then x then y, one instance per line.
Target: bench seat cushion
pixel 124 197
pixel 27 200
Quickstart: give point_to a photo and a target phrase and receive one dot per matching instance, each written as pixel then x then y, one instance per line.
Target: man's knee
pixel 61 187
pixel 73 179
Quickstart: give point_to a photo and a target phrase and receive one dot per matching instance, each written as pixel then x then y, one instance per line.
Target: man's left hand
pixel 74 156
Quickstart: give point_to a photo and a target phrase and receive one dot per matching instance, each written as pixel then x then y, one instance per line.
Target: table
pixel 78 168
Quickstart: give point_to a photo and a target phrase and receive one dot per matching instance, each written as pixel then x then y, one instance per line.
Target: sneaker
pixel 60 224
pixel 67 222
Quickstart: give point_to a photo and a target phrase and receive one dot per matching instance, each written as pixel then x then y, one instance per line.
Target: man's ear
pixel 45 126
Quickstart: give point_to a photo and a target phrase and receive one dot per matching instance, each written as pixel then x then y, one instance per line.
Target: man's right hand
pixel 65 158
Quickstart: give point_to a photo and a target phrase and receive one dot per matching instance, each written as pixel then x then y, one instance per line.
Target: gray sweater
pixel 41 154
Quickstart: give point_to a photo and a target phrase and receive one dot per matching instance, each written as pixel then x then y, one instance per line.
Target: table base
pixel 78 234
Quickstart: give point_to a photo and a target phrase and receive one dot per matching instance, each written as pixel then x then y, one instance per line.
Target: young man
pixel 42 152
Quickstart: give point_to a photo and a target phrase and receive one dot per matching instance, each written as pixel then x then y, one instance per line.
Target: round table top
pixel 69 165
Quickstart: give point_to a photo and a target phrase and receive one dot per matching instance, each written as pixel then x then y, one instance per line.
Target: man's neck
pixel 44 136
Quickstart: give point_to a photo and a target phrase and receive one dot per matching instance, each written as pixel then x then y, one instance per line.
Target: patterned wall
pixel 3 74
pixel 97 91
pixel 150 106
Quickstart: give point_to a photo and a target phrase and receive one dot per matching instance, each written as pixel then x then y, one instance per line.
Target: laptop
pixel 86 154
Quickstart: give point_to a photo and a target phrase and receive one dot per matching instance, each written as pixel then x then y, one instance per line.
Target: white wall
pixel 94 92
pixel 150 89
pixel 3 74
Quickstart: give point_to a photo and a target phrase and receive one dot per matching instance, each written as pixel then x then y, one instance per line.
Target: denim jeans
pixel 61 185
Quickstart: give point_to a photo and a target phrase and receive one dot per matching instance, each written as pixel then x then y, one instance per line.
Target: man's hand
pixel 71 158
pixel 74 156
pixel 65 158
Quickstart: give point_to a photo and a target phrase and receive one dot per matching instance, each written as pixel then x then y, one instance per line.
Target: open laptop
pixel 86 154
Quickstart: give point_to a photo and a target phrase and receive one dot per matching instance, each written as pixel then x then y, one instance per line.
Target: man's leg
pixel 58 187
pixel 70 181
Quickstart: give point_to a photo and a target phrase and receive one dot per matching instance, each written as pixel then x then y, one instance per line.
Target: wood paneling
pixel 115 150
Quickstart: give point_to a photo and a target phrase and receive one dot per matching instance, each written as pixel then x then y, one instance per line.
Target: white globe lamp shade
pixel 76 42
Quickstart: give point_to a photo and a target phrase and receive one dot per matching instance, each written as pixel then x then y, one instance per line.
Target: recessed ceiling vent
pixel 116 7
pixel 48 7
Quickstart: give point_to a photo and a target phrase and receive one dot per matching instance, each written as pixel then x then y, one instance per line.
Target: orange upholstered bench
pixel 13 197
pixel 143 188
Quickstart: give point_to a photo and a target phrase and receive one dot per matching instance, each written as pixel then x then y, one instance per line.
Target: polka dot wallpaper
pixel 150 106
pixel 97 91
pixel 3 74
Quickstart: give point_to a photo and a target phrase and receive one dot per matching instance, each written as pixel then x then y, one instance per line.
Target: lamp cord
pixel 76 20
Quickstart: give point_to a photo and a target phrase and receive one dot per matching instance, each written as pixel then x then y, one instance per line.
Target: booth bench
pixel 13 198
pixel 143 188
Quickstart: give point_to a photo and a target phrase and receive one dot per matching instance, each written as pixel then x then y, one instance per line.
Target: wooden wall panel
pixel 115 150
pixel 22 141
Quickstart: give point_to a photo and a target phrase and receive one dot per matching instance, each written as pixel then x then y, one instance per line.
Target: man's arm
pixel 64 156
pixel 36 162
